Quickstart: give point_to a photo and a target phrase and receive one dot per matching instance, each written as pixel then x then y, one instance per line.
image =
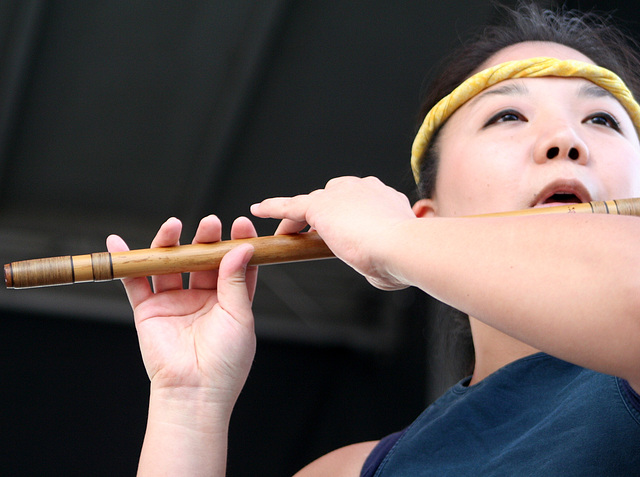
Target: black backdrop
pixel 75 395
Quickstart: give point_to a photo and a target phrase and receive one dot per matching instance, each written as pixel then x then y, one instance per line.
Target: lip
pixel 561 186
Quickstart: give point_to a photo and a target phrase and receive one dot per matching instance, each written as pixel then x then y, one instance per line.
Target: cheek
pixel 629 180
pixel 473 182
pixel 620 172
pixel 633 173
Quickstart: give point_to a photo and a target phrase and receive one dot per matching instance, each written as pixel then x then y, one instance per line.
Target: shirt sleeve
pixel 378 453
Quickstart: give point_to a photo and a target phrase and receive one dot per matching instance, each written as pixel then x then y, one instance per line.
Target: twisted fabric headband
pixel 530 68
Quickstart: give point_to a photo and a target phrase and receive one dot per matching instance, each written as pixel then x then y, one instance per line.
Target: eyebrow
pixel 594 91
pixel 519 89
pixel 512 89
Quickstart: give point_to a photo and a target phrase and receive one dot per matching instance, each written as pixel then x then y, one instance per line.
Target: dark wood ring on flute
pixel 105 266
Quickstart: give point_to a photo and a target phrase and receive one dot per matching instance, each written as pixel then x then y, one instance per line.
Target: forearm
pixel 184 437
pixel 567 285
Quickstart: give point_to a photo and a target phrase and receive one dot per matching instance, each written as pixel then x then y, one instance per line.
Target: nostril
pixel 552 152
pixel 573 153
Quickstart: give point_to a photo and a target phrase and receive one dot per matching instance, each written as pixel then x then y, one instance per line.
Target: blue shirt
pixel 538 416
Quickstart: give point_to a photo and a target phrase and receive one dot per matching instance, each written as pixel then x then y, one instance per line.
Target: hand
pixel 198 341
pixel 352 216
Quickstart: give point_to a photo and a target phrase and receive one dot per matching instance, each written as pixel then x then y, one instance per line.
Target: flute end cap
pixel 8 276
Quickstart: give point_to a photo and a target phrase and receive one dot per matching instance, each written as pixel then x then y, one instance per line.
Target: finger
pixel 115 243
pixel 168 236
pixel 341 180
pixel 137 289
pixel 233 295
pixel 209 231
pixel 288 226
pixel 243 228
pixel 292 208
pixel 280 208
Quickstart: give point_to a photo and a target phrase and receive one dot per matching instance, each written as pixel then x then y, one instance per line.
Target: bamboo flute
pixel 105 266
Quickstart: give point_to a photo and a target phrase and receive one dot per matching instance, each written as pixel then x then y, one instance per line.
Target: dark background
pixel 116 115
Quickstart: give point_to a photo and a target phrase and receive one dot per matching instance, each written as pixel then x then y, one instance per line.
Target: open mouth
pixel 562 192
pixel 562 198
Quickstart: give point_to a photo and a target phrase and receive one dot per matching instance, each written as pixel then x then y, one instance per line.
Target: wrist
pixel 387 263
pixel 190 408
pixel 186 435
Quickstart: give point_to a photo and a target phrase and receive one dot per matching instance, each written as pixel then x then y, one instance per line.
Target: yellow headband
pixel 531 68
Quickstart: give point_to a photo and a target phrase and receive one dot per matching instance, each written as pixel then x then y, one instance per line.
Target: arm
pixel 197 345
pixel 567 285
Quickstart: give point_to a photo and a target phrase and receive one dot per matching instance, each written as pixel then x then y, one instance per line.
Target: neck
pixel 494 349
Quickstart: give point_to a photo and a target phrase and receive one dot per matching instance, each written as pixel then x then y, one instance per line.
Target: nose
pixel 561 142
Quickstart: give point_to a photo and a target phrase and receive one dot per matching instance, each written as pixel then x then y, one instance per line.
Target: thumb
pixel 233 294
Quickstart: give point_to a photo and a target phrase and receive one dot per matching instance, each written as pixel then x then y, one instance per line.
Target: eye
pixel 603 119
pixel 506 115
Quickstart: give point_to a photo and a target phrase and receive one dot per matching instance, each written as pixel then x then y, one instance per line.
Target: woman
pixel 556 331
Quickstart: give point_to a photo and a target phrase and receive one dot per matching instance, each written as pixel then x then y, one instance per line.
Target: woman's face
pixel 534 142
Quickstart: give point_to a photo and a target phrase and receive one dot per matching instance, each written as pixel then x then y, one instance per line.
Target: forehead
pixel 533 49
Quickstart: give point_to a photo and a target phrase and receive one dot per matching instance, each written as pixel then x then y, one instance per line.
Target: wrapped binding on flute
pixel 104 266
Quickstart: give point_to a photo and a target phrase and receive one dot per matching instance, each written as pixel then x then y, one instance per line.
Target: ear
pixel 425 208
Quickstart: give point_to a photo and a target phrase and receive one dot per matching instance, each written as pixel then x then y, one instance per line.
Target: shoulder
pixel 344 462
